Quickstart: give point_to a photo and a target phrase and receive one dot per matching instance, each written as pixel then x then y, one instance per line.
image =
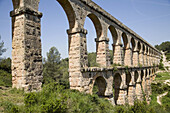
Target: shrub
pixel 30 99
pixel 5 78
pixel 54 106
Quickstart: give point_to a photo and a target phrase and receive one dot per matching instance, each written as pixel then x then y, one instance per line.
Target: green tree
pixel 164 46
pixel 51 65
pixel 92 60
pixel 5 72
pixel 53 56
pixel 5 64
pixel 55 69
pixel 2 49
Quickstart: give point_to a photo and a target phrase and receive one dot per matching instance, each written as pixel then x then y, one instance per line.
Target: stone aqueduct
pixel 138 59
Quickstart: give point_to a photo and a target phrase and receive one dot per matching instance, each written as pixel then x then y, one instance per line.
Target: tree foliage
pixel 5 64
pixel 55 69
pixel 164 46
pixel 2 49
pixel 5 72
pixel 92 60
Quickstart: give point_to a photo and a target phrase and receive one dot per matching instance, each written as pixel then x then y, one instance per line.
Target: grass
pixel 9 98
pixel 158 89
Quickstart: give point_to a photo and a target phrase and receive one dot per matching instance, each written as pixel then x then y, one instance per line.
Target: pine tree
pixel 2 49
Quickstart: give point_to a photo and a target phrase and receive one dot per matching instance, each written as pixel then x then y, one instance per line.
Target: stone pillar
pixel 145 59
pixel 148 57
pixel 138 90
pixel 136 58
pixel 102 49
pixel 148 85
pixel 77 57
pixel 148 88
pixel 151 60
pixel 141 60
pixel 131 94
pixel 122 98
pixel 117 54
pixel 128 57
pixel 118 49
pixel 131 90
pixel 144 82
pixel 128 52
pixel 122 94
pixel 26 46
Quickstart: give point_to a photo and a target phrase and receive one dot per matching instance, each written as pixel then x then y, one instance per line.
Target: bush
pixel 30 99
pixel 54 106
pixel 5 65
pixel 5 78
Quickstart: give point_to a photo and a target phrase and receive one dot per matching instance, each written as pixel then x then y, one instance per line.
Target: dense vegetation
pixel 164 46
pixel 56 97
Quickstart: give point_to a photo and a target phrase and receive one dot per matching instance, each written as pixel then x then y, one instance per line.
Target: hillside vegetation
pixel 164 46
pixel 56 97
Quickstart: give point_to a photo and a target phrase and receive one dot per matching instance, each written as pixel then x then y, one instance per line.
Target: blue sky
pixel 148 18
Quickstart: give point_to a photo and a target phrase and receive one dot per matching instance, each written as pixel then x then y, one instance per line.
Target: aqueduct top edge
pixel 97 8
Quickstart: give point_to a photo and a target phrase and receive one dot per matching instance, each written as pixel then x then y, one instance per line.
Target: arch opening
pixel 96 24
pixel 112 34
pixel 143 80
pixel 69 12
pixel 133 44
pixel 93 26
pixel 136 76
pixel 139 46
pixel 128 81
pixel 125 40
pixel 99 86
pixel 117 85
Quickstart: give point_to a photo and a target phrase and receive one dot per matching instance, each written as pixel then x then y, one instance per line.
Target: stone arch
pixel 113 33
pixel 90 42
pixel 139 46
pixel 101 84
pixel 117 85
pixel 125 40
pixel 96 23
pixel 68 8
pixel 113 40
pixel 133 43
pixel 34 4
